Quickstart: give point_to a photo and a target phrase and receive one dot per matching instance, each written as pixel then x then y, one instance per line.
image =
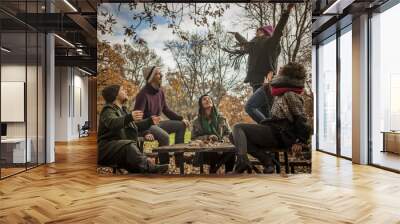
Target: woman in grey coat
pixel 288 126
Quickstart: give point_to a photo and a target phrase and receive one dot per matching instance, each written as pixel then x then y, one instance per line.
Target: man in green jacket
pixel 118 132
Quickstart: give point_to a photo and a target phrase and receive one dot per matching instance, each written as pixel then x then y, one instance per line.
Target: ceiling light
pixel 337 7
pixel 64 40
pixel 70 5
pixel 86 72
pixel 5 50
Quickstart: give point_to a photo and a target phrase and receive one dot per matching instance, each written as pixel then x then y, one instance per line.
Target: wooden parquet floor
pixel 70 191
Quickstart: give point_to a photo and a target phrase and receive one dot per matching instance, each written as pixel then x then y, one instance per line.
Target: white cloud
pixel 155 40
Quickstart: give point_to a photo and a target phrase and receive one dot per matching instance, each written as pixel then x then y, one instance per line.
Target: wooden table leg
pixel 181 161
pixel 182 166
pixel 201 162
pixel 285 155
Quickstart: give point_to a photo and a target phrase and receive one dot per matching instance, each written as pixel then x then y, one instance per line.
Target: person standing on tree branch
pixel 263 51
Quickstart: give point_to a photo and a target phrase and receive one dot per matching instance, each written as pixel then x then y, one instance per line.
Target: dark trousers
pixel 128 157
pixel 255 139
pixel 161 134
pixel 213 158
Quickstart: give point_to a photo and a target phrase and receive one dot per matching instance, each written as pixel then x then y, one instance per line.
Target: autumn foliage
pixel 202 65
pixel 232 107
pixel 110 71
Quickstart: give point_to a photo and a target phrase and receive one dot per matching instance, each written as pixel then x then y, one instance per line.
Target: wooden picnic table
pixel 179 149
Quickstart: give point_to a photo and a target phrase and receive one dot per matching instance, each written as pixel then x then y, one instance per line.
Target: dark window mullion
pixel 369 100
pixel 316 116
pixel 37 90
pixel 338 98
pixel 26 87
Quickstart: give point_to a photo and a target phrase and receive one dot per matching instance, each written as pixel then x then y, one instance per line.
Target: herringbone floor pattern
pixel 70 191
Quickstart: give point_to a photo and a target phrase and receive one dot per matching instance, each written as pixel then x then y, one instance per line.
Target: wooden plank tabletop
pixel 224 147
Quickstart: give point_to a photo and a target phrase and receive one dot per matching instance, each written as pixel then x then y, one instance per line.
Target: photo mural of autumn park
pixel 193 45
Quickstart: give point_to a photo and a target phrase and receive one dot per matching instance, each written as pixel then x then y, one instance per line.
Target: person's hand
pixel 149 137
pixel 226 139
pixel 156 119
pixel 213 138
pixel 296 148
pixel 290 6
pixel 137 115
pixel 186 122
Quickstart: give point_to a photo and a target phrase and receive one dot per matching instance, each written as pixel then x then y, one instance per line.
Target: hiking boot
pixel 242 164
pixel 268 164
pixel 157 168
pixel 268 169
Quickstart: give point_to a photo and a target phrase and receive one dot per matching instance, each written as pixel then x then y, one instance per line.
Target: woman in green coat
pixel 118 132
pixel 211 126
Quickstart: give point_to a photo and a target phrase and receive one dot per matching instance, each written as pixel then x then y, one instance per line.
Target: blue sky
pixel 156 39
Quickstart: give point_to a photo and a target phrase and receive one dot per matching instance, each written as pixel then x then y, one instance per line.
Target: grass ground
pixel 150 145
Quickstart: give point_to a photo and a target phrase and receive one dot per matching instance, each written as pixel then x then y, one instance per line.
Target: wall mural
pixel 231 78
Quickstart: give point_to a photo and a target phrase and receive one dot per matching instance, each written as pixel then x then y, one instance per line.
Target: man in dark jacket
pixel 151 101
pixel 118 132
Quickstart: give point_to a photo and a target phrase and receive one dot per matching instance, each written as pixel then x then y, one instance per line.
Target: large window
pixel 346 92
pixel 385 89
pixel 327 95
pixel 334 62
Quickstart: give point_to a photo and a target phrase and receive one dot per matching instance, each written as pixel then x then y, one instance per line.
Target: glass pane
pixel 327 96
pixel 13 85
pixel 385 84
pixel 22 79
pixel 346 94
pixel 31 99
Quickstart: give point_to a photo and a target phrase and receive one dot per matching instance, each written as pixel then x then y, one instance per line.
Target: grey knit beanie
pixel 149 72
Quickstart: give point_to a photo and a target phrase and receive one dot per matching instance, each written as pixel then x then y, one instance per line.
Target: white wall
pixel 71 103
pixel 61 103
